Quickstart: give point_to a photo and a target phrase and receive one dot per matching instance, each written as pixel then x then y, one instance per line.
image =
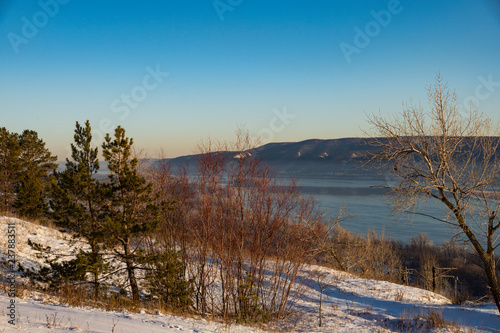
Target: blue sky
pixel 278 68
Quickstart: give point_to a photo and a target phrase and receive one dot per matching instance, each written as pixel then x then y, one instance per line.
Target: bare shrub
pixel 370 256
pixel 251 228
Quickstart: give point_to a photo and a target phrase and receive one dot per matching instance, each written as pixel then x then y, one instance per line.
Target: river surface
pixel 370 210
pixel 368 206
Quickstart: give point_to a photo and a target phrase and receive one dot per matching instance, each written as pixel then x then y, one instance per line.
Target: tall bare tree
pixel 449 156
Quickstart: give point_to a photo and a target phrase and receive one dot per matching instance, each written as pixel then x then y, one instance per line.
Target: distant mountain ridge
pixel 314 149
pixel 313 157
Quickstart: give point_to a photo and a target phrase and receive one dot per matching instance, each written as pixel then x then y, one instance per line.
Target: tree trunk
pixel 131 274
pixel 320 304
pixel 95 267
pixel 489 269
pixel 96 287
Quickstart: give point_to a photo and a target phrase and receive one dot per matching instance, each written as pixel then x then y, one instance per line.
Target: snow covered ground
pixel 350 304
pixel 35 316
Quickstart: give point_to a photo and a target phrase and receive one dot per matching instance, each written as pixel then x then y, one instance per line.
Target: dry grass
pixel 429 321
pixel 400 296
pixel 435 319
pixel 53 321
pixel 42 222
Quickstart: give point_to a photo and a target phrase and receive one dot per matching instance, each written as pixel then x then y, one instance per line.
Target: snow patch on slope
pixel 350 304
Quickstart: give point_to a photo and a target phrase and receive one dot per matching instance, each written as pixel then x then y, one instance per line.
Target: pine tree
pixel 34 155
pixel 30 199
pixel 10 152
pixel 36 167
pixel 76 200
pixel 131 212
pixel 165 278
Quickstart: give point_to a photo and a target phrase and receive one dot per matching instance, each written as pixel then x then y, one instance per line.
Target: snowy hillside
pixel 350 304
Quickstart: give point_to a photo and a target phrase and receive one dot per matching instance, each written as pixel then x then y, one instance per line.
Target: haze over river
pixel 370 209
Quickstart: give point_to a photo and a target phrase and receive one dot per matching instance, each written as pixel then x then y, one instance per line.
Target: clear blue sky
pixel 236 63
